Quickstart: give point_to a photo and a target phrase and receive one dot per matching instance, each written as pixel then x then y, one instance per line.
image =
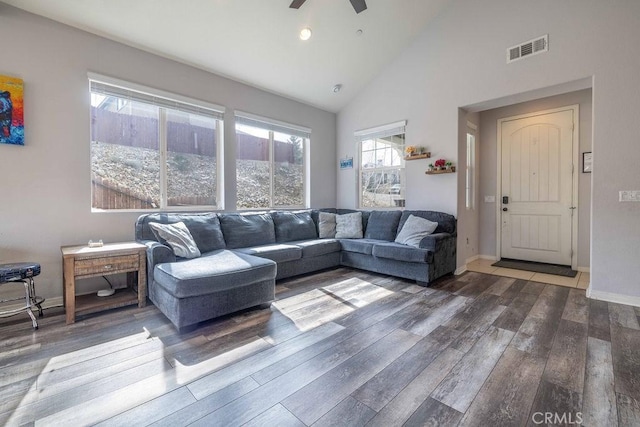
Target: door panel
pixel 537 176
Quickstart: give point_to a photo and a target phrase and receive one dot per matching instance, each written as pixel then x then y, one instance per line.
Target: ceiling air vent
pixel 530 48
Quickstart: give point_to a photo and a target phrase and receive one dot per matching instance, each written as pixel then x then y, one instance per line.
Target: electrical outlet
pixel 489 199
pixel 630 196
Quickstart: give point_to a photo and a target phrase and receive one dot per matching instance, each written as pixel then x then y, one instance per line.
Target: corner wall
pixel 45 194
pixel 460 60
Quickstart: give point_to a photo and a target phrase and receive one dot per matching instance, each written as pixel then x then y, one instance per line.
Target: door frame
pixel 575 176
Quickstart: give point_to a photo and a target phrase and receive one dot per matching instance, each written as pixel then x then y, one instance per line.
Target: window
pixel 151 150
pixel 270 163
pixel 470 171
pixel 381 174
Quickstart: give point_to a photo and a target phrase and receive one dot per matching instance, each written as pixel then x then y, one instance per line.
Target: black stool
pixel 22 272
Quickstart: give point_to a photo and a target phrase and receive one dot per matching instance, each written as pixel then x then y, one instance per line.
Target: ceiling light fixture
pixel 305 33
pixel 337 88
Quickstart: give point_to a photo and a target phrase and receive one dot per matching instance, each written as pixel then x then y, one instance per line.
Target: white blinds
pixel 249 119
pixel 112 87
pixel 391 129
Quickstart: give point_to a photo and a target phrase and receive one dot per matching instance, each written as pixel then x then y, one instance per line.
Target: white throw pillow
pixel 177 236
pixel 327 225
pixel 349 226
pixel 414 230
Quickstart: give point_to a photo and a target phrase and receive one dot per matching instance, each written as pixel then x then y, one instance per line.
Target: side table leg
pixel 69 290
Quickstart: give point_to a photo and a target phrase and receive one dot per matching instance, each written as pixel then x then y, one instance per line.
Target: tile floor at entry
pixel 581 281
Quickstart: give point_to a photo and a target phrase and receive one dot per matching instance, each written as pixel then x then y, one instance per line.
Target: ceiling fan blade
pixel 358 5
pixel 295 4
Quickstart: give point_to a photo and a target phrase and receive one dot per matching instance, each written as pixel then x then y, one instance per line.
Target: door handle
pixel 505 200
pixel 504 209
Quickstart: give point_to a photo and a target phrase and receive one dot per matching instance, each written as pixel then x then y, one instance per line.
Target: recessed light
pixel 359 32
pixel 305 33
pixel 337 88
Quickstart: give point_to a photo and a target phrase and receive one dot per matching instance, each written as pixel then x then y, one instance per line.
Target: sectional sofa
pixel 239 256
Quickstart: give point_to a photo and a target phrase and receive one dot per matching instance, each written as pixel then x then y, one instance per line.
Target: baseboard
pixel 583 269
pixel 489 257
pixel 460 270
pixel 611 297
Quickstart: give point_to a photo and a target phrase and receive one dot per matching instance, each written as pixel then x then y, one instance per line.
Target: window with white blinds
pixel 151 149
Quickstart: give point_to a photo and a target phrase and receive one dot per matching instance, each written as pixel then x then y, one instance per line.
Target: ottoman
pixel 217 283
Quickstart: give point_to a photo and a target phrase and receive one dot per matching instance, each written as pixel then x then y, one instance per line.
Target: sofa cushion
pixel 277 252
pixel 382 225
pixel 446 222
pixel 349 226
pixel 399 252
pixel 204 227
pixel 414 230
pixel 361 246
pixel 317 247
pixel 365 215
pixel 326 225
pixel 178 237
pixel 247 229
pixel 216 271
pixel 294 226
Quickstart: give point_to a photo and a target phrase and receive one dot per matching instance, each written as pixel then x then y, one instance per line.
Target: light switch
pixel 489 199
pixel 630 196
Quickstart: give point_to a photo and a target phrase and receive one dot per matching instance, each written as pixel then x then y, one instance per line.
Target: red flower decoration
pixel 439 163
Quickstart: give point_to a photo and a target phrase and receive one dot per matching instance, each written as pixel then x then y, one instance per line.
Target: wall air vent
pixel 530 48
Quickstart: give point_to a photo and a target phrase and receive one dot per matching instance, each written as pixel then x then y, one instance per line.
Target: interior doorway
pixel 538 186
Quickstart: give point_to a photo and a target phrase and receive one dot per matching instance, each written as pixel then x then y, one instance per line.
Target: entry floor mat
pixel 538 267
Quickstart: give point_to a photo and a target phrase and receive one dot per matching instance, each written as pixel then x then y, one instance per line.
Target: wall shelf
pixel 418 156
pixel 439 172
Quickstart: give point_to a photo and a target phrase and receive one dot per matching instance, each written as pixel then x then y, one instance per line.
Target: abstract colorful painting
pixel 11 110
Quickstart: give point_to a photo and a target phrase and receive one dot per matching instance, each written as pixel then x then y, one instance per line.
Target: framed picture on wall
pixel 11 111
pixel 587 162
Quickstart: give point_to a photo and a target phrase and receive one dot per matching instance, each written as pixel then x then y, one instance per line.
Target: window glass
pixel 382 172
pixel 270 166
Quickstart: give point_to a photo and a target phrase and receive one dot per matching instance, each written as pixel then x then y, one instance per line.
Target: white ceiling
pixel 256 41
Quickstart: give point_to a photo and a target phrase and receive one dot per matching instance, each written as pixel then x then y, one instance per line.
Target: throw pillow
pixel 414 230
pixel 177 236
pixel 327 225
pixel 349 226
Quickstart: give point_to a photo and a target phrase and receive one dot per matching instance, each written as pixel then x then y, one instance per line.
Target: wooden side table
pixel 81 262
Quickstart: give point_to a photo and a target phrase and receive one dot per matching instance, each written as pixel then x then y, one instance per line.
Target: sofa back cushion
pixel 292 226
pixel 247 229
pixel 446 222
pixel 204 227
pixel 383 225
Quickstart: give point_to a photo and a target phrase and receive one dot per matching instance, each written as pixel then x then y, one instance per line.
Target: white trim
pixel 268 120
pixel 576 162
pixel 460 270
pixel 365 132
pixel 489 257
pixel 153 91
pixel 613 297
pixel 583 269
pixel 472 126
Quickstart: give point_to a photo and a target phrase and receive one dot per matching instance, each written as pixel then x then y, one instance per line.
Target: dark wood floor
pixel 343 347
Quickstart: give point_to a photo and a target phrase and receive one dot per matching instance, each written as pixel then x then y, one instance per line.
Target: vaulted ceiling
pixel 256 41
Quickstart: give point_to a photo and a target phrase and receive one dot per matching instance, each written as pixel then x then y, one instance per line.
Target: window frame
pixel 273 126
pixel 164 101
pixel 470 169
pixel 375 133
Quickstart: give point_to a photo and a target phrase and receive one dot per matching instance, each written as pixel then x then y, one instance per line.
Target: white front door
pixel 537 187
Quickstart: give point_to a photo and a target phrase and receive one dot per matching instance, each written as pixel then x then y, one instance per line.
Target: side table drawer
pixel 105 264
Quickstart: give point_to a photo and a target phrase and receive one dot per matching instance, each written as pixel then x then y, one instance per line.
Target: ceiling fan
pixel 358 5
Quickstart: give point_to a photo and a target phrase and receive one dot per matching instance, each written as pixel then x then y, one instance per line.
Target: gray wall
pixel 45 194
pixel 459 61
pixel 488 160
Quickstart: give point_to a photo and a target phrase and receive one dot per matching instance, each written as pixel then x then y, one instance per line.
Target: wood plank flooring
pixel 342 347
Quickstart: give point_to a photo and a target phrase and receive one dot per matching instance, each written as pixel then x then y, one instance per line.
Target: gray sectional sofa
pixel 243 254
